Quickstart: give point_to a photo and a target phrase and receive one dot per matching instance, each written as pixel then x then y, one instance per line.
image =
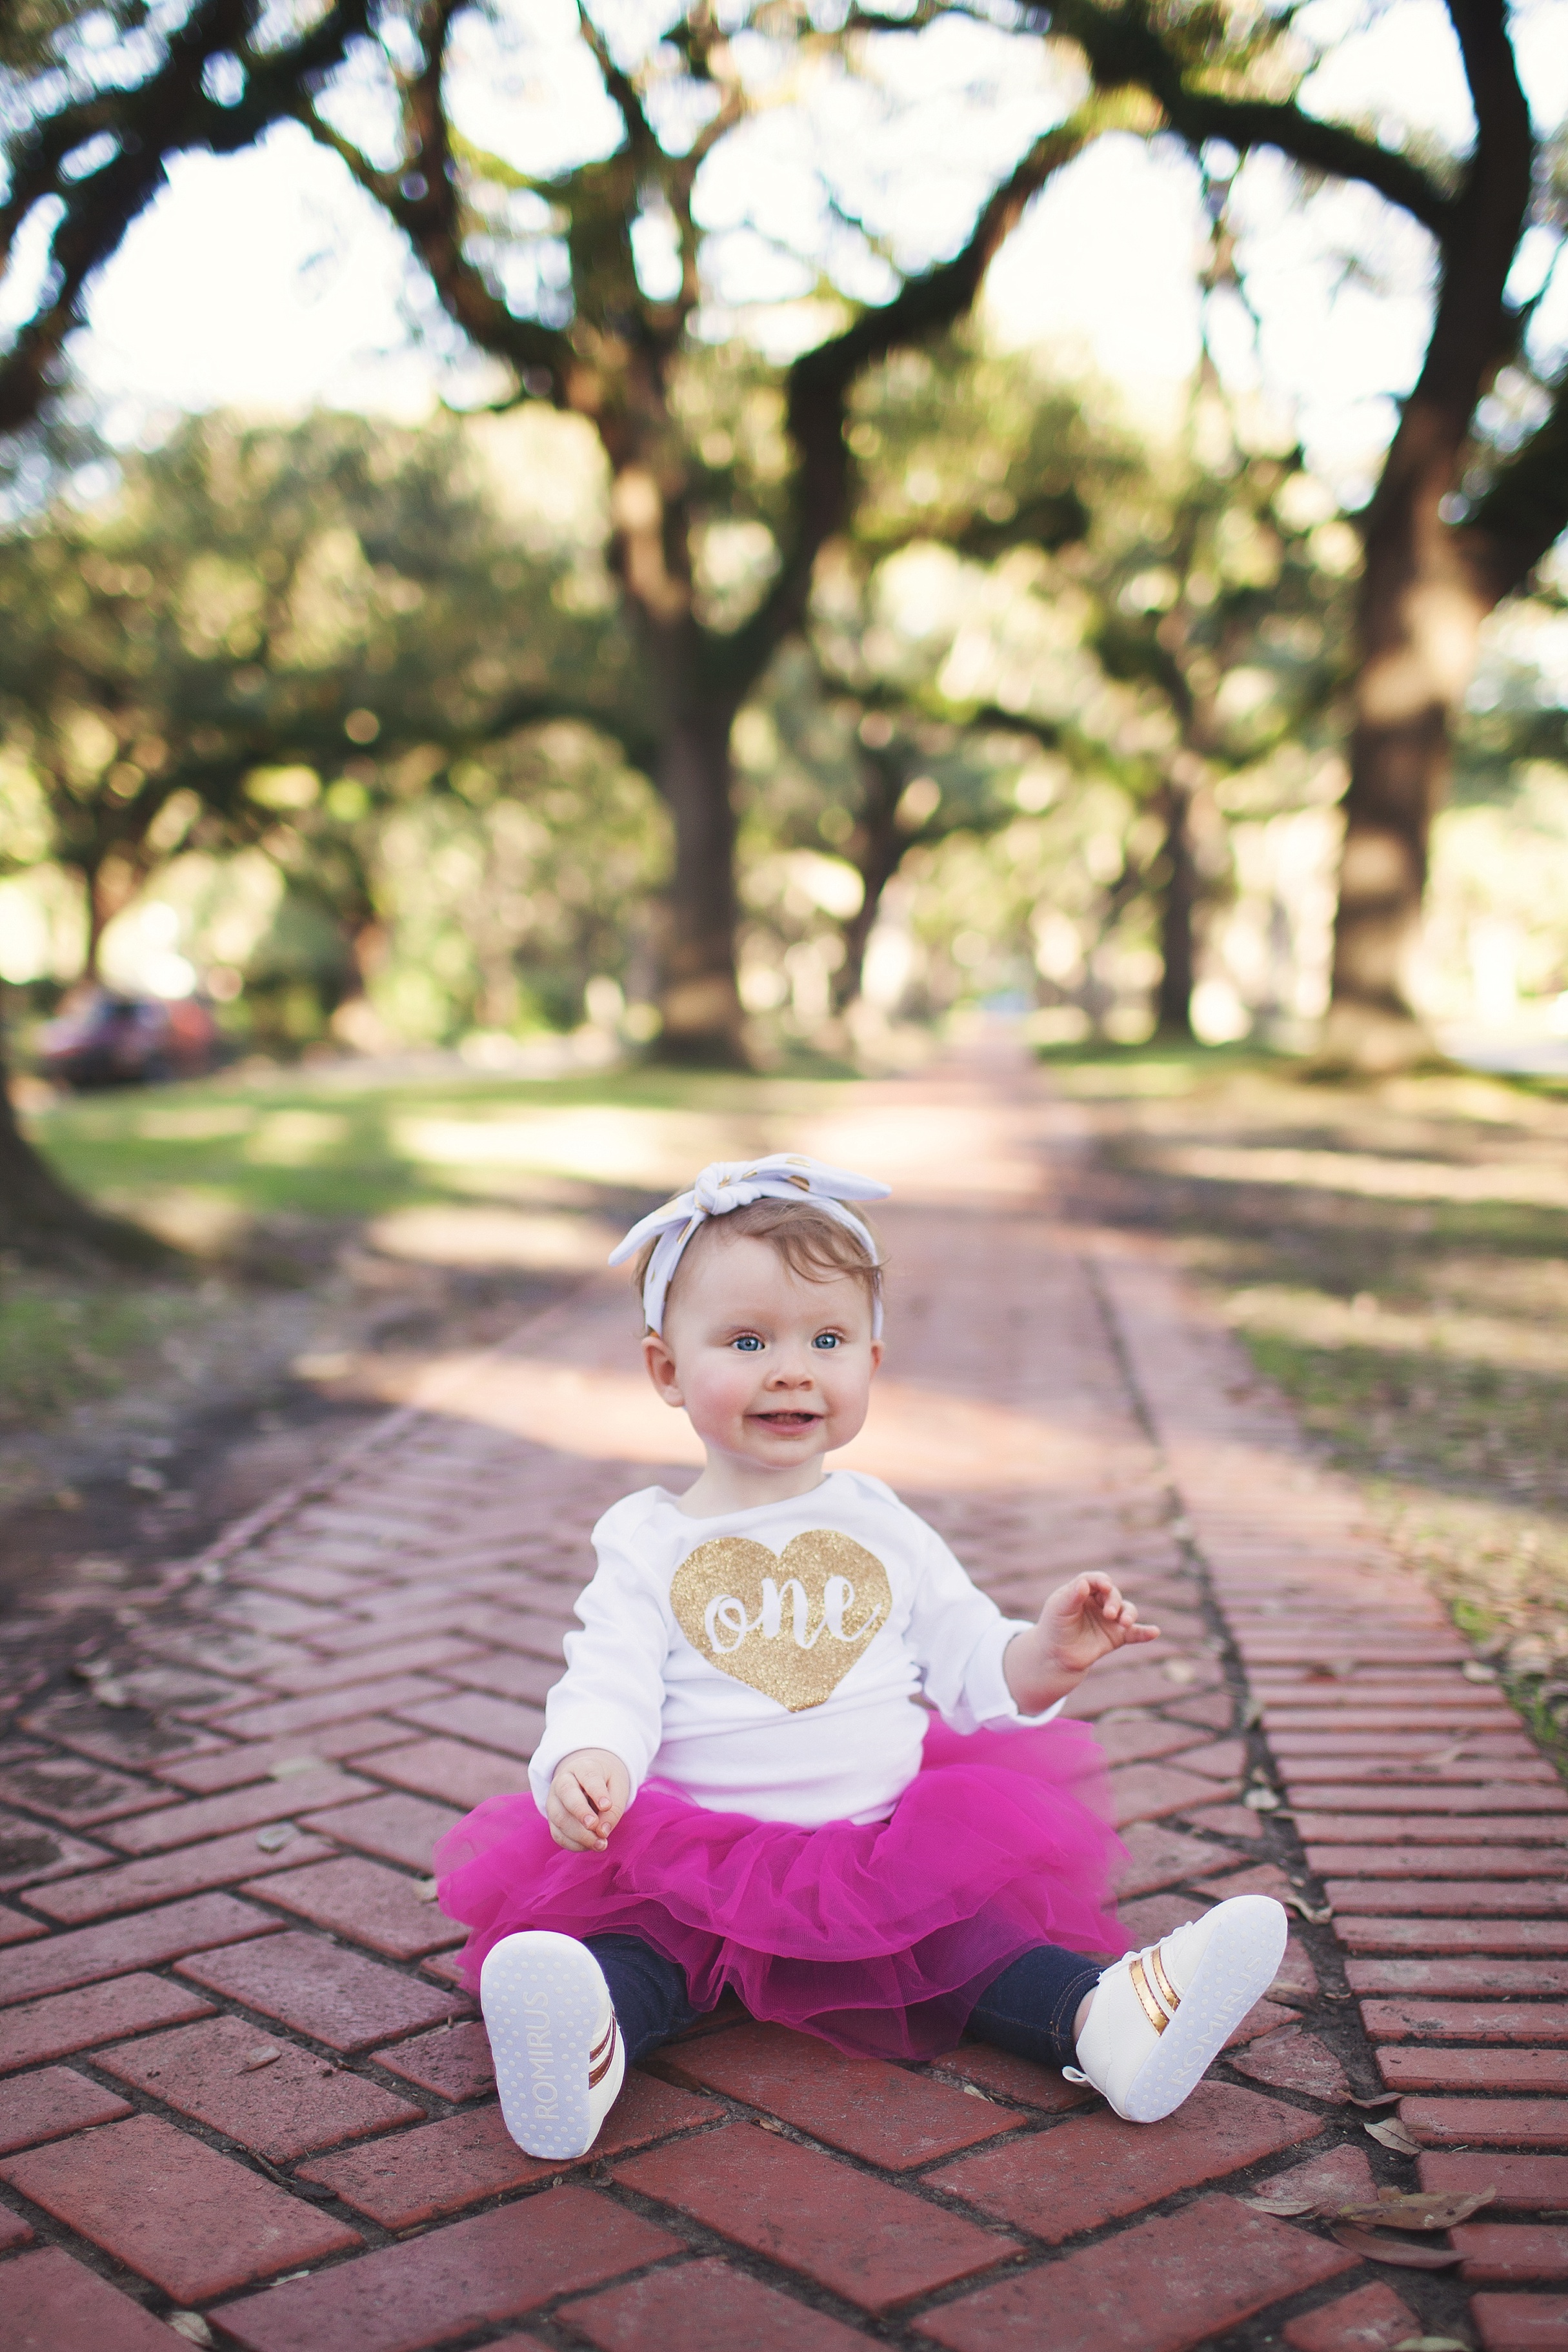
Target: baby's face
pixel 771 1369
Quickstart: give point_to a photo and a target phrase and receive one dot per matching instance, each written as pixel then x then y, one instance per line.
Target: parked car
pixel 101 1037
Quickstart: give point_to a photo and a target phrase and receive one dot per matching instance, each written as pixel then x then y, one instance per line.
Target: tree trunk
pixel 1422 603
pixel 1420 618
pixel 1178 906
pixel 876 847
pixel 46 1224
pixel 700 1003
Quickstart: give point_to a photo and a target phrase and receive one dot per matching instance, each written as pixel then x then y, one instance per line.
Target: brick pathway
pixel 242 2095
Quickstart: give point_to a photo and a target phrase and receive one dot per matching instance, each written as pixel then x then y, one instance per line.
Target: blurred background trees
pixel 783 660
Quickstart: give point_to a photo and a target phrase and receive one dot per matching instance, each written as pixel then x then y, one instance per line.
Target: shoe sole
pixel 1239 1963
pixel 543 1999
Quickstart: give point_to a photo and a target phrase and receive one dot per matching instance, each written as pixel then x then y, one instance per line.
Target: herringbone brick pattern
pixel 243 2097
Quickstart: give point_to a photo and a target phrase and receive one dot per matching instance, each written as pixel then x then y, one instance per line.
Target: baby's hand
pixel 590 1790
pixel 1086 1620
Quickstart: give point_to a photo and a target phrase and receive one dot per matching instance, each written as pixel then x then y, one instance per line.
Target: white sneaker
pixel 560 2059
pixel 1159 2018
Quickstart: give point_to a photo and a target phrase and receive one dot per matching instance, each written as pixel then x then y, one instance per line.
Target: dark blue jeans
pixel 1029 2009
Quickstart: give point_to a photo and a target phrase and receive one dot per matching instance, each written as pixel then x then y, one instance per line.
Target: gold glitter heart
pixel 789 1627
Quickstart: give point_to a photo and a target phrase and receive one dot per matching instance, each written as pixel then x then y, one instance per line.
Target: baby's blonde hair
pixel 813 1244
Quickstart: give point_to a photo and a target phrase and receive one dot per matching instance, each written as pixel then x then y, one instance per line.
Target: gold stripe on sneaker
pixel 1163 1984
pixel 596 2072
pixel 1140 1984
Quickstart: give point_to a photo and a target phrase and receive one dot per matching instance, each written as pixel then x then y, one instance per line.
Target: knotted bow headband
pixel 734 1184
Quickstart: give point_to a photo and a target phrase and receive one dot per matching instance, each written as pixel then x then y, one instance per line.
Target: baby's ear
pixel 661 1363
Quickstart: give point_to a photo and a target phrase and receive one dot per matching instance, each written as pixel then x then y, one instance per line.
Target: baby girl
pixel 797 1753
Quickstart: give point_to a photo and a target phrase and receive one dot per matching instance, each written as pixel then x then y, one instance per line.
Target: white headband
pixel 733 1184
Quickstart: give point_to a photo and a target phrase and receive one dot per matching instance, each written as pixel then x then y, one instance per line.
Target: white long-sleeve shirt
pixel 704 1662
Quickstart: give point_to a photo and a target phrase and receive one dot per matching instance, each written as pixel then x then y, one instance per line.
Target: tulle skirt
pixel 880 1938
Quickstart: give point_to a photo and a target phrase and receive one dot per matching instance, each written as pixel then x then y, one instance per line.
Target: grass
pixel 273 1173
pixel 1395 1257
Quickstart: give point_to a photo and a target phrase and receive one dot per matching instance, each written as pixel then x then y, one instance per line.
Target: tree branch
pixel 1524 511
pixel 166 114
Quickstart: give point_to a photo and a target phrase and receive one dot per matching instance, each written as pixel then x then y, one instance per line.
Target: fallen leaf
pixel 1293 1996
pixel 424 1890
pixel 1397 2251
pixel 1178 1671
pixel 1393 2135
pixel 1384 2099
pixel 1432 2343
pixel 191 2325
pixel 286 1769
pixel 1285 2209
pixel 266 2053
pixel 275 1836
pixel 1262 1800
pixel 1316 1912
pixel 1474 1672
pixel 973 2091
pixel 1419 2209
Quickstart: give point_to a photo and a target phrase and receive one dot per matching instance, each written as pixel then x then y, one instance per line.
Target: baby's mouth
pixel 787 1421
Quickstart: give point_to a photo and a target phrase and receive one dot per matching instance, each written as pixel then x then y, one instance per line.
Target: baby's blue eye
pixel 826 1340
pixel 749 1342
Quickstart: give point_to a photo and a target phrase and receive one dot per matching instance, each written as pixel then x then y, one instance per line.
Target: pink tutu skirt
pixel 880 1938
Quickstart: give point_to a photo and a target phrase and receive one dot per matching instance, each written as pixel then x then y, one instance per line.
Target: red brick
pixel 1473 1975
pixel 454 2280
pixel 1222 1759
pixel 74 2020
pixel 1529 2182
pixel 1501 1779
pixel 447 1770
pixel 1343 2174
pixel 1522 2323
pixel 1263 2016
pixel 1018 2079
pixel 1406 2069
pixel 1511 2252
pixel 400 1829
pixel 1436 1861
pixel 1261 1878
pixel 1372 1934
pixel 253 1760
pixel 64 1788
pixel 510 1676
pixel 290 2108
pixel 1451 1898
pixel 286 1715
pixel 372 1665
pixel 1161 2287
pixel 145 1940
pixel 54 2304
pixel 30 1854
pixel 1493 2123
pixel 1448 1797
pixel 1097 2168
pixel 1465 2020
pixel 1425 1829
pixel 1140 1686
pixel 454 2061
pixel 703 2308
pixel 367 1903
pixel 16 1927
pixel 14 2232
pixel 1143 1793
pixel 874 2245
pixel 193 2222
pixel 188 1871
pixel 308 1583
pixel 1215 1710
pixel 48 2104
pixel 1229 1821
pixel 250 1808
pixel 1372 2320
pixel 417 2174
pixel 337 1997
pixel 1139 1740
pixel 1294 2060
pixel 889 2116
pixel 498 1723
pixel 1158 1856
